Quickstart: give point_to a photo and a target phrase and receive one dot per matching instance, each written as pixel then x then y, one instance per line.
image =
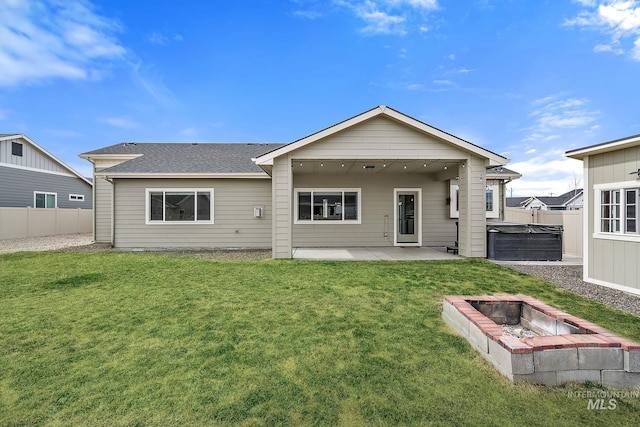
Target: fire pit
pixel 567 348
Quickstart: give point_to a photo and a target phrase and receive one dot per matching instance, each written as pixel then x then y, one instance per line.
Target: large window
pixel 491 202
pixel 618 211
pixel 327 205
pixel 179 206
pixel 45 200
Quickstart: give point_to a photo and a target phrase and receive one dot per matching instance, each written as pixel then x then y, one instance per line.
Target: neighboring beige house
pixel 612 214
pixel 380 178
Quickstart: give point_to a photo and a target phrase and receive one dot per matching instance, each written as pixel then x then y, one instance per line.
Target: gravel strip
pixel 570 277
pixel 46 243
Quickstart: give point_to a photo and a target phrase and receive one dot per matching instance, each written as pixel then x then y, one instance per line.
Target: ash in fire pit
pixel 518 331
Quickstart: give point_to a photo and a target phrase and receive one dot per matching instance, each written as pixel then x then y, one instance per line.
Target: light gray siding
pixel 31 157
pixel 102 222
pixel 233 209
pixel 102 211
pixel 18 186
pixel 282 193
pixel 379 138
pixel 612 261
pixel 473 229
pixel 377 216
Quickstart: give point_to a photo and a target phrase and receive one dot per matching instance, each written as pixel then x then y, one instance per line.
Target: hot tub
pixel 508 241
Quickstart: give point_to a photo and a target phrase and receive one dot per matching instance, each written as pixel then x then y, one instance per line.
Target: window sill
pixel 178 222
pixel 328 222
pixel 617 236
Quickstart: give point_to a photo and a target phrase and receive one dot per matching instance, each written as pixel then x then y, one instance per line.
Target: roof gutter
pixel 133 175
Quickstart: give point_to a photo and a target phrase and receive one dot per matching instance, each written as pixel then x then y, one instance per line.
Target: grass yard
pixel 148 339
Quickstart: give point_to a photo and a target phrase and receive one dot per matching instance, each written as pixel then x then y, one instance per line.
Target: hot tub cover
pixel 521 228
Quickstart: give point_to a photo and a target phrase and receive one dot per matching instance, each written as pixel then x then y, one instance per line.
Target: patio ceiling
pixel 333 167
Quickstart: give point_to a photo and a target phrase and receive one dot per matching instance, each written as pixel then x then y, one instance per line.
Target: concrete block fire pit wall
pixel 567 348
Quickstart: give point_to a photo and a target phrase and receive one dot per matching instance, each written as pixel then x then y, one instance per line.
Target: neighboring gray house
pixel 612 213
pixel 380 178
pixel 569 201
pixel 33 177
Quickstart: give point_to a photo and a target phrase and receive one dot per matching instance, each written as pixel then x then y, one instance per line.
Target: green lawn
pixel 147 339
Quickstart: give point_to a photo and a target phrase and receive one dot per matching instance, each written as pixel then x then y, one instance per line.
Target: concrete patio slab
pixel 375 254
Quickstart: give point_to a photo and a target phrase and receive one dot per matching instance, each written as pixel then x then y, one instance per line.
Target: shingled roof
pixel 184 158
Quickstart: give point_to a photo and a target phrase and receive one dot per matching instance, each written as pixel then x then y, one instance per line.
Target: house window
pixel 179 206
pixel 16 149
pixel 618 209
pixel 327 205
pixel 610 211
pixel 489 202
pixel 492 206
pixel 76 197
pixel 45 200
pixel 631 211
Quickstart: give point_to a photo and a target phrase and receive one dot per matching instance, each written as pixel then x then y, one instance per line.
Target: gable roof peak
pixel 382 110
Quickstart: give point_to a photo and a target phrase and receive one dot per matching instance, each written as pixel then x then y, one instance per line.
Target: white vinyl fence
pixel 18 223
pixel 571 222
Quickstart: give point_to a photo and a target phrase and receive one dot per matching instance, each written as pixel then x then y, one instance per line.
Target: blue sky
pixel 528 79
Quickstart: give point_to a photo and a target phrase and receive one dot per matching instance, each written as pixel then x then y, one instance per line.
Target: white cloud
pixel 308 14
pixel 557 122
pixel 389 16
pixel 54 39
pixel 162 39
pixel 153 85
pixel 157 38
pixel 188 132
pixel 608 48
pixel 553 114
pixel 120 122
pixel 586 3
pixel 619 19
pixel 379 22
pixel 545 174
pixel 636 50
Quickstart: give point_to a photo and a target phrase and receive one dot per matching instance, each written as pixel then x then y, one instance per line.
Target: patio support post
pixel 282 194
pixel 472 233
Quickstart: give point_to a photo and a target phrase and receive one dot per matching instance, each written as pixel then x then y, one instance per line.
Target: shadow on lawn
pixel 75 281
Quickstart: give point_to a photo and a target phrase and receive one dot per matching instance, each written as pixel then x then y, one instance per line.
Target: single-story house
pixel 612 213
pixel 569 201
pixel 380 178
pixel 33 177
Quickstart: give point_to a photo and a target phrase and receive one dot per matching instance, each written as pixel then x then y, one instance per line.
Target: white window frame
pixel 147 205
pixel 597 205
pixel 454 211
pixel 76 197
pixel 46 193
pixel 322 190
